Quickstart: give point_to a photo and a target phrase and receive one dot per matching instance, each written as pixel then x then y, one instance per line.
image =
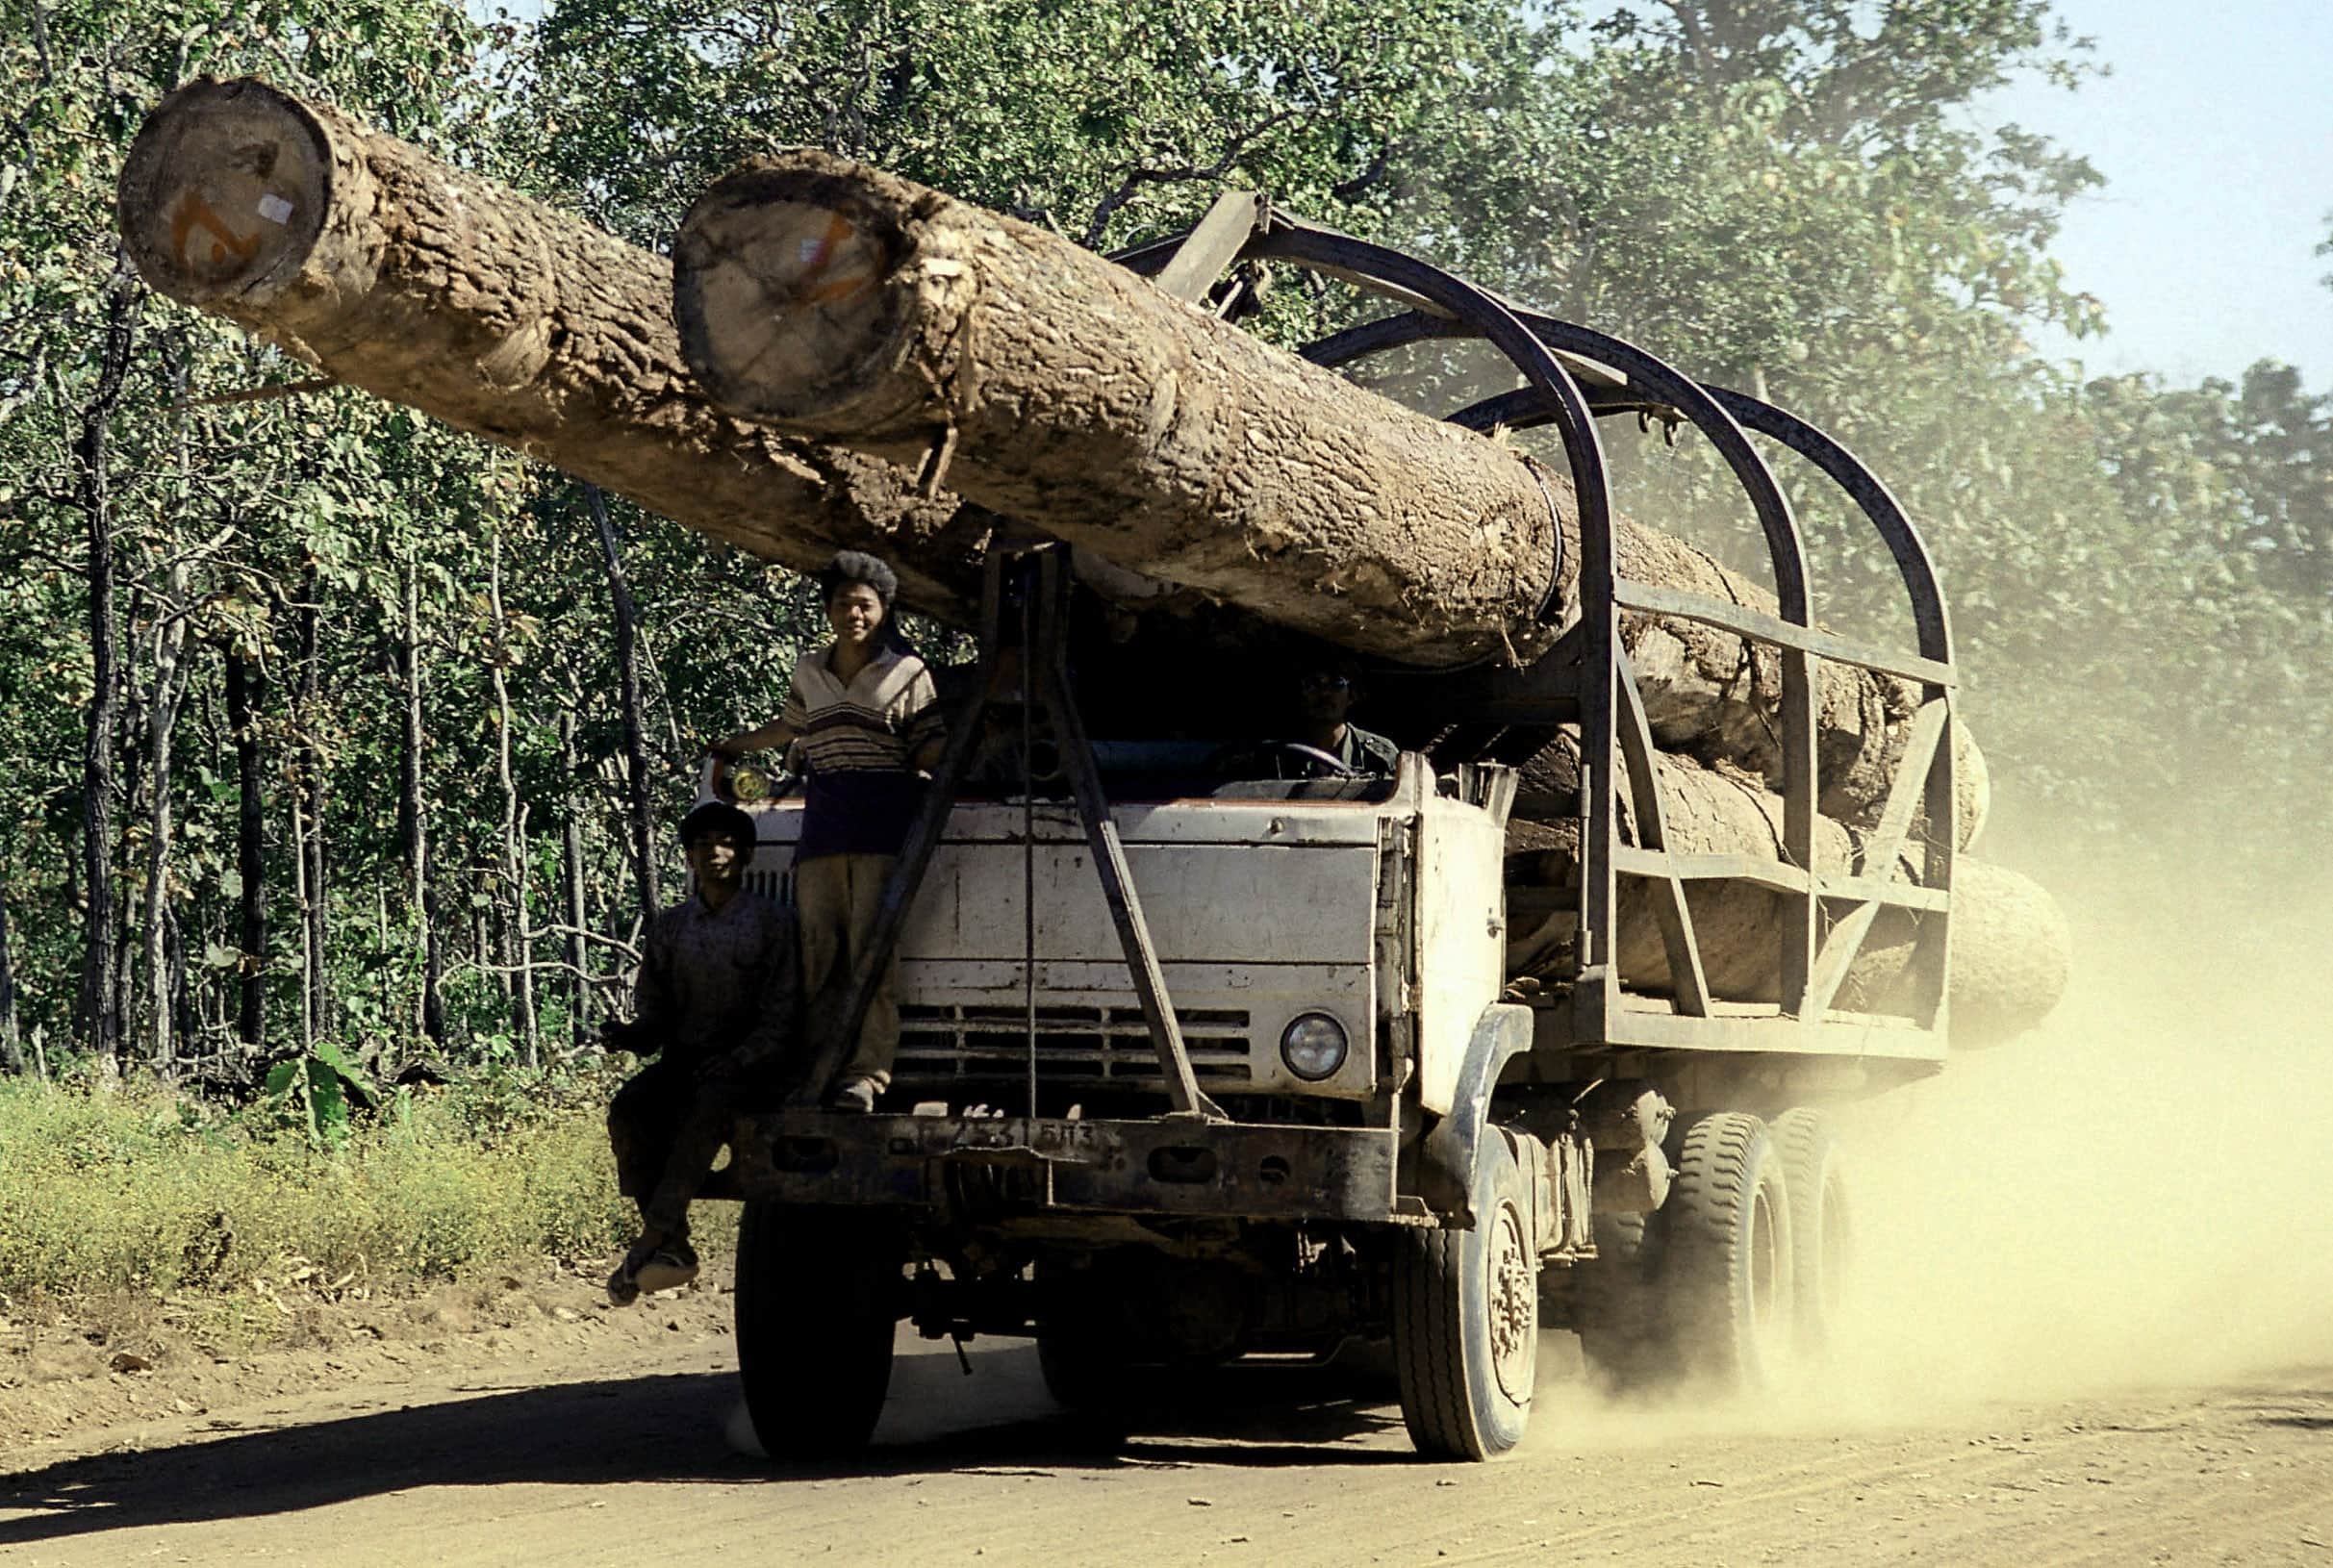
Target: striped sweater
pixel 855 741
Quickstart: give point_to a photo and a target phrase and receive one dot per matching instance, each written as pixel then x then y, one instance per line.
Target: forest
pixel 340 744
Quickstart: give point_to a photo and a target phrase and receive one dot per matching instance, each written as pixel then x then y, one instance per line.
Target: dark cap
pixel 717 817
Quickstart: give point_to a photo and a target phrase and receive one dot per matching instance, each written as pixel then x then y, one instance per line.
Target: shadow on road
pixel 669 1429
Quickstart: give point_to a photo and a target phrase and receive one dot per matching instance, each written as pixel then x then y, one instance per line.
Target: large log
pixel 840 303
pixel 434 288
pixel 2011 946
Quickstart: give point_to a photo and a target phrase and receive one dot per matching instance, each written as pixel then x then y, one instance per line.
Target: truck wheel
pixel 1821 1226
pixel 1726 1254
pixel 1466 1318
pixel 1086 1351
pixel 818 1298
pixel 1623 1335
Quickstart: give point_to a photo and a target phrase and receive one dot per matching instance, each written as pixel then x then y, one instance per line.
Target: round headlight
pixel 1313 1046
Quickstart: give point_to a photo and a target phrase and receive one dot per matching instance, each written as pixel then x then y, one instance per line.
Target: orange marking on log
pixel 819 257
pixel 195 212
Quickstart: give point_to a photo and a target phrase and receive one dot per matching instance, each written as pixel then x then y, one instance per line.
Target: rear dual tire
pixel 1729 1257
pixel 1739 1280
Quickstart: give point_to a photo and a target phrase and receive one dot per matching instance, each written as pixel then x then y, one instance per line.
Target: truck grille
pixel 1075 1044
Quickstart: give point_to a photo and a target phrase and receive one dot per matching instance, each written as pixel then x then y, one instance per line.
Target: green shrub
pixel 141 1190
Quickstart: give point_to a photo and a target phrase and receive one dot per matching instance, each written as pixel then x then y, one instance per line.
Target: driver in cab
pixel 1320 705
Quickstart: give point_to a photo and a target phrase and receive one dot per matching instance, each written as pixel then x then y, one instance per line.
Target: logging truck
pixel 1204 1057
pixel 1200 1060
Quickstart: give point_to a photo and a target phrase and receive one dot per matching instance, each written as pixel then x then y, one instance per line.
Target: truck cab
pixel 1334 955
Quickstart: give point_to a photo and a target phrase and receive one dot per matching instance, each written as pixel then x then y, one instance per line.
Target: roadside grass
pixel 140 1202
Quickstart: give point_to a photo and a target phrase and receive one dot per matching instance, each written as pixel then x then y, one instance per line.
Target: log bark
pixel 1177 447
pixel 2011 947
pixel 839 303
pixel 431 287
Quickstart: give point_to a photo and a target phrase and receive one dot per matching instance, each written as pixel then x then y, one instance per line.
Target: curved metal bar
pixel 1687 397
pixel 1897 529
pixel 1378 336
pixel 1307 245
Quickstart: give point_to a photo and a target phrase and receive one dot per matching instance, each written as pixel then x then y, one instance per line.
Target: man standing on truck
pixel 717 1004
pixel 864 716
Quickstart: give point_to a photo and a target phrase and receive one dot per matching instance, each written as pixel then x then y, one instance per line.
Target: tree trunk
pixel 517 933
pixel 244 687
pixel 162 727
pixel 839 303
pixel 431 287
pixel 92 495
pixel 308 807
pixel 2010 948
pixel 300 898
pixel 12 1044
pixel 129 799
pixel 635 744
pixel 571 867
pixel 1171 444
pixel 412 818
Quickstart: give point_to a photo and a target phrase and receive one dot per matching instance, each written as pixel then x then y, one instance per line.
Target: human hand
pixel 627 1034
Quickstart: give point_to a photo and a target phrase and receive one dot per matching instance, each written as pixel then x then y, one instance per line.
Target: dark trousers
pixel 665 1125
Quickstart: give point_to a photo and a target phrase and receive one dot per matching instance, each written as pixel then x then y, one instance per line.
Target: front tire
pixel 1466 1318
pixel 818 1300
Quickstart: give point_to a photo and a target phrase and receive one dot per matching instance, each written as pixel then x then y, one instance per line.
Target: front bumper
pixel 1178 1169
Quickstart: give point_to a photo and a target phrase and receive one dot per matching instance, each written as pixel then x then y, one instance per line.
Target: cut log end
pixel 782 295
pixel 224 192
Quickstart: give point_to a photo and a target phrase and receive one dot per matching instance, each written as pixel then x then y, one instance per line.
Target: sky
pixel 2215 133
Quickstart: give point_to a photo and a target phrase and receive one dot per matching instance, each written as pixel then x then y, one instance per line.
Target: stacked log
pixel 428 285
pixel 839 303
pixel 864 363
pixel 2010 951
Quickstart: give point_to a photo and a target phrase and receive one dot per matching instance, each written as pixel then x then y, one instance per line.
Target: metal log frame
pixel 1574 375
pixel 1037 579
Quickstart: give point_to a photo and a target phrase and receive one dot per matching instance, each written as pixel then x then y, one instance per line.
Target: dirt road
pixel 614 1452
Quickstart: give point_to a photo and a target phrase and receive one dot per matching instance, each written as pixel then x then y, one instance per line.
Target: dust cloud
pixel 2140 1193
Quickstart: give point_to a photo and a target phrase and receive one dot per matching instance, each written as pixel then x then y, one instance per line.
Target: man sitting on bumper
pixel 717 1004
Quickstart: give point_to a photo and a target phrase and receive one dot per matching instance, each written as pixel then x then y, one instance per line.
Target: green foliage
pixel 141 1191
pixel 1791 194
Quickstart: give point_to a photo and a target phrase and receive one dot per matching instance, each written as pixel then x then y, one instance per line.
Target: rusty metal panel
pixel 1066 1168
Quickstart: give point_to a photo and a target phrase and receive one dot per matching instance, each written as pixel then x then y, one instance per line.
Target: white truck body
pixel 1386 915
